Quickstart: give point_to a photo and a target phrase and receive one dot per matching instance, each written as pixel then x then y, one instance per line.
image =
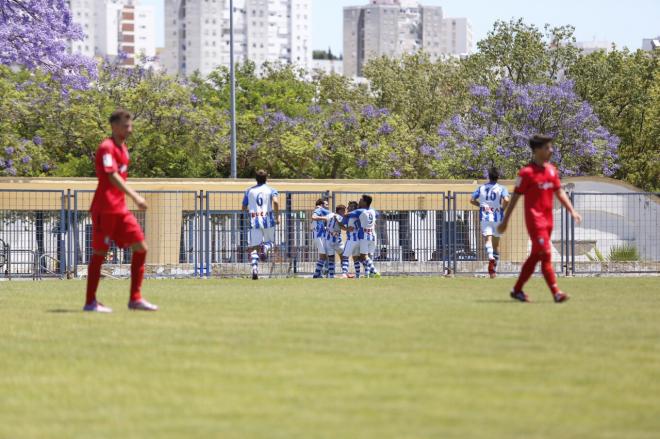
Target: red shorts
pixel 541 240
pixel 122 228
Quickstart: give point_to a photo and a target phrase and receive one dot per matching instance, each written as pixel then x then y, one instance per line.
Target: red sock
pixel 93 277
pixel 549 273
pixel 137 273
pixel 526 272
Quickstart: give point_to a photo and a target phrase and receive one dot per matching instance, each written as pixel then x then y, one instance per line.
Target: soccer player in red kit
pixel 111 219
pixel 538 182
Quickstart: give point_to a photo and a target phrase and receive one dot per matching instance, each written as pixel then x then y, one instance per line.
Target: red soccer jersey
pixel 110 158
pixel 538 184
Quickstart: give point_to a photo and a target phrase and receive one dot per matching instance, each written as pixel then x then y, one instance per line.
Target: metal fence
pixel 205 234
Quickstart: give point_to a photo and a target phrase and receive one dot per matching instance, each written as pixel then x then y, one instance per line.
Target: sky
pixel 625 23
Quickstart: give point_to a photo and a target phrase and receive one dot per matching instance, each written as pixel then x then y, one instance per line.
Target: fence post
pixel 207 235
pixel 288 232
pixel 572 238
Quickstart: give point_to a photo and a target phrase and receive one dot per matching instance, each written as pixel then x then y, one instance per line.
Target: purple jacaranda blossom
pixel 364 144
pixel 394 156
pixel 350 122
pixel 36 34
pixel 37 140
pixel 370 112
pixel 254 146
pixel 194 99
pixel 385 129
pixel 396 173
pixel 362 163
pixel 426 149
pixel 318 145
pixel 9 151
pixel 45 167
pixel 479 91
pixel 260 120
pixel 384 111
pixel 25 160
pixel 314 109
pixel 443 131
pixel 11 171
pixel 346 108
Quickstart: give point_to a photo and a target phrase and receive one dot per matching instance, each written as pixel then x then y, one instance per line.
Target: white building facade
pixel 197 33
pixel 114 26
pixel 396 27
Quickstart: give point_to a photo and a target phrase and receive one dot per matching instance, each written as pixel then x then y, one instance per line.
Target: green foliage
pixel 301 125
pixel 623 253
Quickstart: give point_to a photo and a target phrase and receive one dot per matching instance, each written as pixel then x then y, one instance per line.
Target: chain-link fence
pixel 196 233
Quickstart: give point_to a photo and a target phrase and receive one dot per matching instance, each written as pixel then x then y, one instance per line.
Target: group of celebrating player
pixel 538 182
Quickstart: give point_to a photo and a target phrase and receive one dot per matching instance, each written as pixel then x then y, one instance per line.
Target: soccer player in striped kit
pixel 366 230
pixel 491 199
pixel 333 242
pixel 538 182
pixel 319 219
pixel 352 246
pixel 263 205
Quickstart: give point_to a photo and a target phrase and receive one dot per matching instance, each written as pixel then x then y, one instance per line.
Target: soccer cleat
pixel 491 268
pixel 560 297
pixel 141 305
pixel 519 296
pixel 97 307
pixel 255 275
pixel 376 275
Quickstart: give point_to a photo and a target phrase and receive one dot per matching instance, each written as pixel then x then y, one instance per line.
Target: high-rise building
pixel 114 26
pixel 650 44
pixel 395 27
pixel 197 33
pixel 588 47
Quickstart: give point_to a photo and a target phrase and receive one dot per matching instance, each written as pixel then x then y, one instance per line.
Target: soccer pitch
pixel 387 358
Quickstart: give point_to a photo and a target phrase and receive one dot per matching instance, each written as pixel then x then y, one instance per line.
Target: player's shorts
pixel 259 236
pixel 489 228
pixel 333 247
pixel 352 248
pixel 319 241
pixel 122 228
pixel 541 240
pixel 367 246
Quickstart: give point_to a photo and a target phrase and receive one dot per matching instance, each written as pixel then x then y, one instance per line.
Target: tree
pixel 496 129
pixel 35 34
pixel 623 89
pixel 523 53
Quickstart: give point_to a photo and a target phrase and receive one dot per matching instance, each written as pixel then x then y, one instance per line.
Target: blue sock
pixel 368 263
pixel 356 264
pixel 319 266
pixel 344 265
pixel 331 268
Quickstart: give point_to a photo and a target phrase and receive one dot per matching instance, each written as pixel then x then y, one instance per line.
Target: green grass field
pixel 388 358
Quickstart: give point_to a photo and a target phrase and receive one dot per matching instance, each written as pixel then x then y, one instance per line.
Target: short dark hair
pixel 340 207
pixel 262 176
pixel 119 115
pixel 319 202
pixel 353 204
pixel 493 174
pixel 367 199
pixel 539 140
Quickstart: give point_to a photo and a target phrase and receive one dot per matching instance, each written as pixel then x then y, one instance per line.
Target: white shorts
pixel 259 236
pixel 367 247
pixel 320 244
pixel 352 248
pixel 489 228
pixel 333 247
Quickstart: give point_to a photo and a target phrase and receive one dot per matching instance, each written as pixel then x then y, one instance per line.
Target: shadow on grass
pixel 63 311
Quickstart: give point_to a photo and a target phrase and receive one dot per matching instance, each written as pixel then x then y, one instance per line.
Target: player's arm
pixel 505 201
pixel 119 182
pixel 316 217
pixel 507 213
pixel 563 199
pixel 474 202
pixel 276 207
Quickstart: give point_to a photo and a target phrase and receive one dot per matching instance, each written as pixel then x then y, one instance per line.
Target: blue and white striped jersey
pixel 352 222
pixel 319 226
pixel 259 201
pixel 490 197
pixel 366 223
pixel 333 229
